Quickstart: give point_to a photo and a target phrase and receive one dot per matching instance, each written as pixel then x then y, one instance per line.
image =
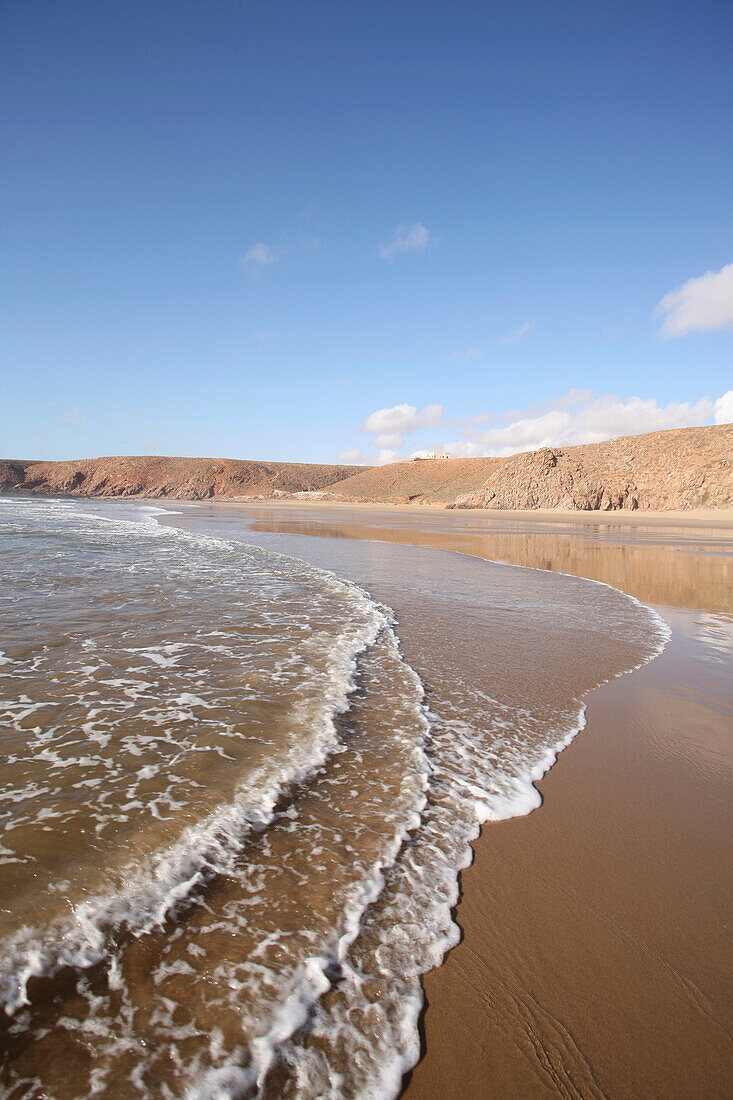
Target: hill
pixel 424 481
pixel 181 478
pixel 673 470
pixel 680 469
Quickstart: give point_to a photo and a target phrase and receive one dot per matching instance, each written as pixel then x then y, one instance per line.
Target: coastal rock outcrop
pixel 551 478
pixel 674 470
pixel 178 478
pixel 666 471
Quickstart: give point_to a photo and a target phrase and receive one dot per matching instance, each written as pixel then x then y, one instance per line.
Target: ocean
pixel 234 813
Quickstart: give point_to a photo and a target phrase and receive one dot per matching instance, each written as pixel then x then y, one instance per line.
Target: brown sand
pixel 710 518
pixel 596 958
pixel 596 954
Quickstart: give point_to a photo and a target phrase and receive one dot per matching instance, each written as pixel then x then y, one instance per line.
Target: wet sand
pixel 595 958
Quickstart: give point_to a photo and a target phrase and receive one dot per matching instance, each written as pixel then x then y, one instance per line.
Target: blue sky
pixel 251 229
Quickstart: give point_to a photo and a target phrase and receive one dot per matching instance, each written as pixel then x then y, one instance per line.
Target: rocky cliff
pixel 666 471
pixel 181 478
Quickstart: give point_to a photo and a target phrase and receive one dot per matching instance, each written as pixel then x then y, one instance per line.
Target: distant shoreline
pixel 693 517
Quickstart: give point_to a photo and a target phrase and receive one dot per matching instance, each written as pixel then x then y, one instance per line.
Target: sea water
pixel 233 813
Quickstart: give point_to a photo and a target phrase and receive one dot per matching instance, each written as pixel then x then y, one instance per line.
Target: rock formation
pixel 665 471
pixel 674 470
pixel 181 478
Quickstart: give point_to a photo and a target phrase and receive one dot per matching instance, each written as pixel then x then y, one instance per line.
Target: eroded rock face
pixel 180 478
pixel 666 471
pixel 551 479
pixel 12 474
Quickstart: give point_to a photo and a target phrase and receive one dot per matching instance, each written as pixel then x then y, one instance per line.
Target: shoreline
pixel 594 959
pixel 507 1011
pixel 591 948
pixel 692 517
pixel 681 565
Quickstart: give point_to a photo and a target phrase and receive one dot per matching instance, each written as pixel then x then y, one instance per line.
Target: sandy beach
pixel 366 571
pixel 364 802
pixel 595 955
pixel 596 958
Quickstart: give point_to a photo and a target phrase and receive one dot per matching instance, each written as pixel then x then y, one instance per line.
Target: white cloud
pixel 573 398
pixel 74 417
pixel 699 305
pixel 389 439
pixel 390 426
pixel 466 356
pixel 578 417
pixel 388 454
pixel 403 419
pixel 258 257
pixel 723 409
pixel 572 418
pixel 407 238
pixel 355 457
pixel 516 334
pixel 471 421
pixel 569 400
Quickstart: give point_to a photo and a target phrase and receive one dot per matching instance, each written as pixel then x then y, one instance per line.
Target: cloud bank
pixel 699 305
pixel 578 416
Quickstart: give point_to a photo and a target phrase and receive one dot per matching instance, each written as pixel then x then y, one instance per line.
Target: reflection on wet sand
pixel 683 567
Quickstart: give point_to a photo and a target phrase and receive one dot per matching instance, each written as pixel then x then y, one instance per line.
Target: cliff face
pixel 181 478
pixel 665 471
